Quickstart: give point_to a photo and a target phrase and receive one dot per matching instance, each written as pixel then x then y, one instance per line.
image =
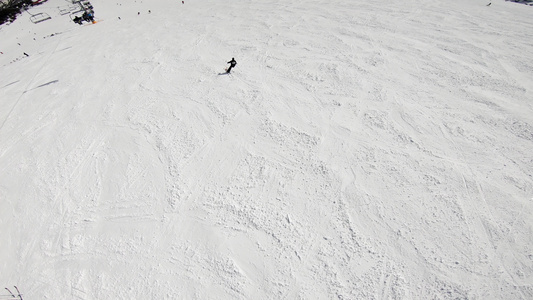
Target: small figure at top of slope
pixel 232 63
pixel 88 16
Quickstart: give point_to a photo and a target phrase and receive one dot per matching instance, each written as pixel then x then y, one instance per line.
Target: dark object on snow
pixel 77 20
pixel 26 54
pixel 232 63
pixel 489 4
pixel 87 16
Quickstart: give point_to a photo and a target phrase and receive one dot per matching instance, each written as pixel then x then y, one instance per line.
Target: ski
pixel 18 292
pixel 12 295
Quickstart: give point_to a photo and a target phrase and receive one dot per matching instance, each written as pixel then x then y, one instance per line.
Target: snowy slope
pixel 359 150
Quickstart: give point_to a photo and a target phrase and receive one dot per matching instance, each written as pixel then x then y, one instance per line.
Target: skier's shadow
pixel 225 73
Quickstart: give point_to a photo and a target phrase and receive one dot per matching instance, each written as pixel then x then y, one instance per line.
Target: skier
pixel 232 63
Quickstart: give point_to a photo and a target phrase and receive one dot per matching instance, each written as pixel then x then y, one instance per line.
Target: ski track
pixel 357 151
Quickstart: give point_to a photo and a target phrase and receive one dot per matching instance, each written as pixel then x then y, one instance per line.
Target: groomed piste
pixel 358 150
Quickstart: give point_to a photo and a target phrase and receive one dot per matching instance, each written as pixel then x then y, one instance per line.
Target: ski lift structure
pixel 38 17
pixel 83 5
pixel 84 8
pixel 76 13
pixel 69 9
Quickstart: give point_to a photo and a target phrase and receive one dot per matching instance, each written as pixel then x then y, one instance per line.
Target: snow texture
pixel 359 150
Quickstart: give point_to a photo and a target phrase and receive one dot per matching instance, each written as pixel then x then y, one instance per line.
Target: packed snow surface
pixel 358 150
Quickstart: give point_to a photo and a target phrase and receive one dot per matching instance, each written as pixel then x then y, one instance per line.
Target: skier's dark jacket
pixel 232 62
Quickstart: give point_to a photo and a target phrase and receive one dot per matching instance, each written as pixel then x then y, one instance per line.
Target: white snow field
pixel 359 150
